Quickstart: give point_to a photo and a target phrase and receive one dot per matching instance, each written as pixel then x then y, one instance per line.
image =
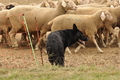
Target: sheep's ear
pixel 74 27
pixel 78 1
pixel 102 16
pixel 63 4
pixel 112 6
pixel 46 4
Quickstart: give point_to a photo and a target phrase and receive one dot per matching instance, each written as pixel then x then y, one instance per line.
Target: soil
pixel 23 57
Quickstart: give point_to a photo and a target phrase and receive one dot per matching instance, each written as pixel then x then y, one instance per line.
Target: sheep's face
pixel 116 30
pixel 46 4
pixel 52 5
pixel 69 5
pixel 78 2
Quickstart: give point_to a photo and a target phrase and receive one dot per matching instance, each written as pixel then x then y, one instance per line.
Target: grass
pixel 61 73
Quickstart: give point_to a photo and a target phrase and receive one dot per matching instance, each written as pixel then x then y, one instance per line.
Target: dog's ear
pixel 74 27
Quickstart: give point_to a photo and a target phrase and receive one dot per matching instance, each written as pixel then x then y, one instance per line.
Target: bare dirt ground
pixel 23 57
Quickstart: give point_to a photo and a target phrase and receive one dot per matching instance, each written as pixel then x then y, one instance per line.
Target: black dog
pixel 57 42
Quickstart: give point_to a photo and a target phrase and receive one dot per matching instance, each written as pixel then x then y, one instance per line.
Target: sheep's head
pixel 77 2
pixel 47 4
pixel 106 15
pixel 69 5
pixel 51 3
pixel 112 4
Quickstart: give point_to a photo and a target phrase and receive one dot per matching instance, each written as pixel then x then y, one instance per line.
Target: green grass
pixel 61 73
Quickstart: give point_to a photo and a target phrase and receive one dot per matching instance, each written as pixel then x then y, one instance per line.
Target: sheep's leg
pixel 118 39
pixel 101 37
pixel 39 45
pixel 7 37
pixel 8 40
pixel 38 41
pixel 68 50
pixel 102 41
pixel 94 41
pixel 3 38
pixel 13 39
pixel 23 37
pixel 106 37
pixel 78 48
pixel 113 39
pixel 109 29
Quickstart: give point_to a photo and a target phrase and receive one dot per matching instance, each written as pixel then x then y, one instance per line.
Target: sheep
pixel 98 5
pixel 105 1
pixel 85 11
pixel 118 40
pixel 110 25
pixel 117 2
pixel 43 16
pixel 88 24
pixel 5 25
pixel 81 2
pixel 52 4
pixel 45 3
pixel 116 32
pixel 2 6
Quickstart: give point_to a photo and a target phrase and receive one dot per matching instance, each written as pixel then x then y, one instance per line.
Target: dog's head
pixel 79 35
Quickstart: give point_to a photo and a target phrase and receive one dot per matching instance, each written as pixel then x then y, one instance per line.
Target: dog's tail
pixel 50 52
pixel 57 53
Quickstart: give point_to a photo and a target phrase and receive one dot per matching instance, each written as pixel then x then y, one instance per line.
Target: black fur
pixel 57 42
pixel 9 6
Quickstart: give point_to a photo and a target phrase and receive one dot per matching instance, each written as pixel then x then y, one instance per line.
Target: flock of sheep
pixel 94 19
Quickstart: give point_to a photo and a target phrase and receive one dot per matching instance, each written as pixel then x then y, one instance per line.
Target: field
pixel 87 64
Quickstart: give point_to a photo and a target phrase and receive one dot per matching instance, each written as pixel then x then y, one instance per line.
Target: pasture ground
pixel 87 64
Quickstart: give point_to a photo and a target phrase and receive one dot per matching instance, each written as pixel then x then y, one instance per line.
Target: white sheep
pixel 43 16
pixel 88 24
pixel 5 25
pixel 81 2
pixel 116 32
pixel 47 3
pixel 98 5
pixel 2 6
pixel 109 25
